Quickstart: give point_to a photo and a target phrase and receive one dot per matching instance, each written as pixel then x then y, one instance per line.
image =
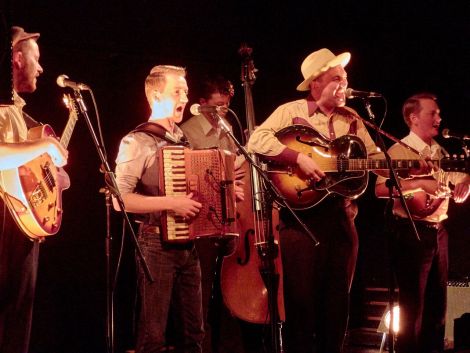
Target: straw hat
pixel 317 63
pixel 18 34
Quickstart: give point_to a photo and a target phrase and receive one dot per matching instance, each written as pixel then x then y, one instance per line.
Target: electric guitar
pixel 344 161
pixel 33 191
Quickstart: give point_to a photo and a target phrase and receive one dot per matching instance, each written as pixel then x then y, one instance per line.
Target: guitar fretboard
pixel 68 130
pixel 375 164
pixel 346 164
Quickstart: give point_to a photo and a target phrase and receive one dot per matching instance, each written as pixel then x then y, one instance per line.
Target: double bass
pixel 251 278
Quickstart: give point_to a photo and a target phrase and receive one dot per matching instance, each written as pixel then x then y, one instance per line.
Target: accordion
pixel 209 175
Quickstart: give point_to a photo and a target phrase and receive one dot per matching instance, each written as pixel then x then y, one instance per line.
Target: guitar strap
pixel 158 131
pixel 30 122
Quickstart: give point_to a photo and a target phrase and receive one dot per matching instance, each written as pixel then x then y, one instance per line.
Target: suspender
pixel 332 135
pixel 353 127
pixel 158 131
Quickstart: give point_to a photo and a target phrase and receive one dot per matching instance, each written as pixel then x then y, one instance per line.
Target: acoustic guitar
pixel 33 191
pixel 344 161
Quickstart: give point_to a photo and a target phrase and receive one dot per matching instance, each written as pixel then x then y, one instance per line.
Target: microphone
pixel 446 133
pixel 352 93
pixel 64 81
pixel 199 109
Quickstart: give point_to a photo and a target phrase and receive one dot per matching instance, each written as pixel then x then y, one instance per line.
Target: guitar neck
pixel 68 130
pixel 358 164
pixel 353 164
pixel 380 164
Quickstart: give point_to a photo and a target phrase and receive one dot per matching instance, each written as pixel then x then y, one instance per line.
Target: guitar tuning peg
pixel 67 100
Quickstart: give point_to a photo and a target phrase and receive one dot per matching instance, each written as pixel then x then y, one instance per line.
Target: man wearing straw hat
pixel 317 279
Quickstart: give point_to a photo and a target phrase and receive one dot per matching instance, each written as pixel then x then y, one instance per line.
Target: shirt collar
pixel 312 106
pixel 417 143
pixel 18 101
pixel 205 125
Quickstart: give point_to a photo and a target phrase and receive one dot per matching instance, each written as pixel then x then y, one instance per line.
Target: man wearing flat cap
pixel 18 254
pixel 317 279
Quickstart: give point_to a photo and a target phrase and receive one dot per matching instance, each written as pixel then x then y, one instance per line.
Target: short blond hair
pixel 157 78
pixel 413 105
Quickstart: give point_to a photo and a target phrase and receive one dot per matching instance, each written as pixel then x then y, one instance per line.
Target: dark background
pixel 398 48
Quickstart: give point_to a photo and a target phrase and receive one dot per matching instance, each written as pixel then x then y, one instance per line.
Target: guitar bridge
pixel 47 176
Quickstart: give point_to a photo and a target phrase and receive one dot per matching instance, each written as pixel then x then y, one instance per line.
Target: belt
pixel 153 229
pixel 418 223
pixel 149 228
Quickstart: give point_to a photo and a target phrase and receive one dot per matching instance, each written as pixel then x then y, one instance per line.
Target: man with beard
pixel 19 255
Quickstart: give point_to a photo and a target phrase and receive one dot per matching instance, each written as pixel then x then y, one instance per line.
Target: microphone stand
pixel 111 190
pixel 392 183
pixel 109 282
pixel 270 251
pixel 465 149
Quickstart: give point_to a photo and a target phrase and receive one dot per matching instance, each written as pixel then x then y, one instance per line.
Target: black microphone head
pixel 445 133
pixel 352 93
pixel 195 109
pixel 61 80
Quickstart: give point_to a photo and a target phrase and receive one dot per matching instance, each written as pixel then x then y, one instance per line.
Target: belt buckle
pixel 432 225
pixel 149 229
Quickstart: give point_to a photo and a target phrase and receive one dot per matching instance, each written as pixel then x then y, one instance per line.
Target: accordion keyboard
pixel 209 175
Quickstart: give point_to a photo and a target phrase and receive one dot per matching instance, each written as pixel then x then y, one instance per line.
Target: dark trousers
pixel 19 258
pixel 224 333
pixel 177 285
pixel 317 279
pixel 421 270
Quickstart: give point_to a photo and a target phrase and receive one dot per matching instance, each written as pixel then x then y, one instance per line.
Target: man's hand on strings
pixel 309 167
